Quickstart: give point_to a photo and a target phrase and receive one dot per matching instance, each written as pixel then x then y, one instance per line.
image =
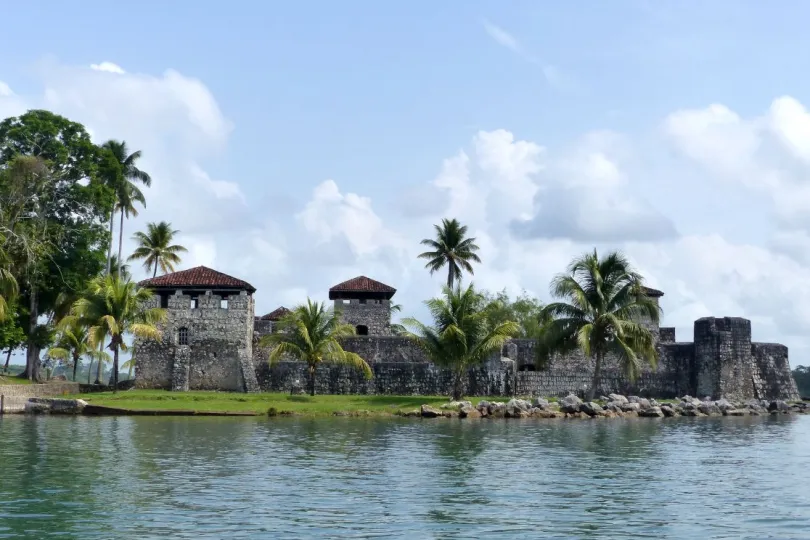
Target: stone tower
pixel 365 304
pixel 207 341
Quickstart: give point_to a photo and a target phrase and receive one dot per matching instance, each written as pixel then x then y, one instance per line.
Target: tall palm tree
pixel 451 248
pixel 113 307
pixel 72 343
pixel 129 365
pixel 602 311
pixel 117 268
pixel 156 249
pixel 461 335
pixel 311 333
pixel 127 193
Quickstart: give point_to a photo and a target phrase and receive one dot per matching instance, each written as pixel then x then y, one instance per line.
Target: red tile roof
pixel 276 314
pixel 200 276
pixel 362 284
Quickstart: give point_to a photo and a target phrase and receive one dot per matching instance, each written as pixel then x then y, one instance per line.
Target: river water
pixel 142 477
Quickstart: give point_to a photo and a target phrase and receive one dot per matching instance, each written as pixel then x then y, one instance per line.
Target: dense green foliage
pixel 462 335
pixel 602 303
pixel 802 377
pixel 311 333
pixel 525 310
pixel 58 194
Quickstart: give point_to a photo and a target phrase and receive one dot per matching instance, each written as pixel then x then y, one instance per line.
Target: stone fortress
pixel 211 342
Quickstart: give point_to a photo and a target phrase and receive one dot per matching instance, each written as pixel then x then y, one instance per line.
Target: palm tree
pixel 117 268
pixel 129 365
pixel 72 343
pixel 125 190
pixel 113 307
pixel 156 249
pixel 311 333
pixel 451 248
pixel 602 311
pixel 101 358
pixel 461 335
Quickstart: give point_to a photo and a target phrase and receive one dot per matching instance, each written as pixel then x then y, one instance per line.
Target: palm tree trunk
pixel 100 365
pixel 312 380
pixel 32 351
pixel 109 248
pixel 597 374
pixel 114 378
pixel 450 275
pixel 131 365
pixel 90 370
pixel 8 359
pixel 75 365
pixel 120 242
pixel 458 390
pixel 154 274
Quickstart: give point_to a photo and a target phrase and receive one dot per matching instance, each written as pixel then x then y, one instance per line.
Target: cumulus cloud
pixel 109 67
pixel 531 209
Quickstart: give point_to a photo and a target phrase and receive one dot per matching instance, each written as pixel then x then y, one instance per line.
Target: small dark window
pixel 182 336
pixel 362 330
pixel 194 302
pixel 164 301
pixel 223 303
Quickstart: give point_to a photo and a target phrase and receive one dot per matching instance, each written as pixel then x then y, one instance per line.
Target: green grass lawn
pixel 13 380
pixel 261 403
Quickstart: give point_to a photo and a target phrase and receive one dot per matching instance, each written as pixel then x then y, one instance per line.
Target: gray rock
pixel 614 406
pixel 37 408
pixel 455 405
pixel 634 399
pixel 543 413
pixel 55 405
pixel 497 410
pixel 483 405
pixel 644 403
pixel 630 407
pixel 617 398
pixel 570 404
pixel 735 412
pixel 519 404
pixel 690 400
pixel 651 412
pixel 724 405
pixel 426 411
pixel 539 403
pixel 668 411
pixel 590 408
pixel 779 406
pixel 469 412
pixel 709 409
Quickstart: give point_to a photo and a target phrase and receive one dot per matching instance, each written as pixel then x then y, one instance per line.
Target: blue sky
pixel 671 130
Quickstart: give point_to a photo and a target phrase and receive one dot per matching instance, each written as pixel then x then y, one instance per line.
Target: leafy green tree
pixel 602 311
pixel 461 335
pixel 113 307
pixel 802 377
pixel 524 310
pixel 53 211
pixel 72 343
pixel 11 333
pixel 124 184
pixel 119 269
pixel 451 248
pixel 311 333
pixel 156 249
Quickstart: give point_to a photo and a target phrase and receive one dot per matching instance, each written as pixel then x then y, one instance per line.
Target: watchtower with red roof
pixel 207 341
pixel 364 303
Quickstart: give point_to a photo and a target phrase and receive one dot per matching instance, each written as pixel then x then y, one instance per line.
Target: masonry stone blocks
pixel 211 342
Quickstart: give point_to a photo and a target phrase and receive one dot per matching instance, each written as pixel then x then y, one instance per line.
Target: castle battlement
pixel 211 341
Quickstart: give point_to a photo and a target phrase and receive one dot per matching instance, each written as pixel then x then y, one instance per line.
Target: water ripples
pixel 364 478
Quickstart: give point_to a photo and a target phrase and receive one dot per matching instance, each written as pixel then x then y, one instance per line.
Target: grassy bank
pixel 326 405
pixel 13 380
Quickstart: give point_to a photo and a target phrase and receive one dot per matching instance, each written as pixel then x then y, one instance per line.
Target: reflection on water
pixel 253 478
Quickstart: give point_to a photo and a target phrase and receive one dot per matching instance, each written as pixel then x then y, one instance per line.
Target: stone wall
pixel 15 396
pixel 394 378
pixel 773 379
pixel 374 314
pixel 218 355
pixel 561 382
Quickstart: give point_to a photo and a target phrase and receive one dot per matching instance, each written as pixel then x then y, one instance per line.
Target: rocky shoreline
pixel 612 406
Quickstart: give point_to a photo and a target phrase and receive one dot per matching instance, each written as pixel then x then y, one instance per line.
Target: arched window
pixel 362 330
pixel 182 336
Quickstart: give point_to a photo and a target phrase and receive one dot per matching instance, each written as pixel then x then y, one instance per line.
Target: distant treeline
pixel 802 377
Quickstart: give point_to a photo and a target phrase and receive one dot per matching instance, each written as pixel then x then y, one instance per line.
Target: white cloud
pixel 109 67
pixel 502 36
pixel 5 90
pixel 598 192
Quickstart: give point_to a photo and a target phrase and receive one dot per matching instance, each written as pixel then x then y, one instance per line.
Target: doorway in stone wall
pixel 362 330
